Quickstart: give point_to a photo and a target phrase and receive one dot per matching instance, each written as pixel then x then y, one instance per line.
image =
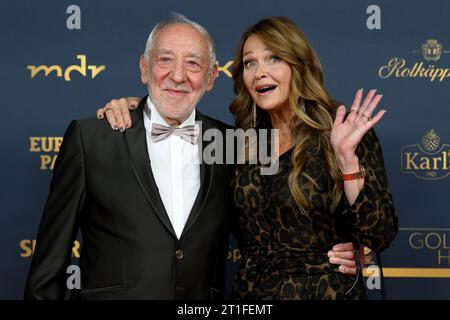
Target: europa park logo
pixel 431 51
pixel 81 69
pixel 428 160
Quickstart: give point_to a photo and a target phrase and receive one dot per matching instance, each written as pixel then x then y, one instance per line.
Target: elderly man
pixel 155 223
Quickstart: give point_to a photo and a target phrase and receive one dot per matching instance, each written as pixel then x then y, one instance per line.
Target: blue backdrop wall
pixel 406 57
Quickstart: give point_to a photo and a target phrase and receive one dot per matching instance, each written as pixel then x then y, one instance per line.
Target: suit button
pixel 179 254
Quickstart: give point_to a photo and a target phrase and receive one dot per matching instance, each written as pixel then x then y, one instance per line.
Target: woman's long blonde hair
pixel 311 125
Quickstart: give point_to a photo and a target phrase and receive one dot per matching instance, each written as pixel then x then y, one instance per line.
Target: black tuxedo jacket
pixel 103 185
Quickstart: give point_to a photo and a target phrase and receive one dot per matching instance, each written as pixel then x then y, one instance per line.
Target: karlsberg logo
pixel 81 69
pixel 428 160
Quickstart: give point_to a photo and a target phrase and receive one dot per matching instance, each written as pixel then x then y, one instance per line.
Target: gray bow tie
pixel 188 133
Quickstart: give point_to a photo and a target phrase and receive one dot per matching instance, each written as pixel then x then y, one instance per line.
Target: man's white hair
pixel 180 19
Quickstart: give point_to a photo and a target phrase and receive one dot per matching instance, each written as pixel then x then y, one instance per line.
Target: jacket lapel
pixel 138 152
pixel 206 178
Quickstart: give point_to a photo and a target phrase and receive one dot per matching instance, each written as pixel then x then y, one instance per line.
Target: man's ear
pixel 144 70
pixel 211 77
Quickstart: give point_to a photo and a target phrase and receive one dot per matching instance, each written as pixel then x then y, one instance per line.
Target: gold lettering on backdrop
pixel 226 69
pixel 396 68
pixel 35 70
pixel 428 160
pixel 81 69
pixel 48 147
pixel 45 144
pixel 34 147
pixel 28 246
pixel 76 249
pixel 424 163
pixel 47 162
pixel 431 51
pixel 439 162
pixel 410 161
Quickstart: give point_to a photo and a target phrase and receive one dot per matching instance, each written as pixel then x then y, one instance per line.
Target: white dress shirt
pixel 175 167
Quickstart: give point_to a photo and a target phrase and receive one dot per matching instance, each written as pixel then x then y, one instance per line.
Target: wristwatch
pixel 355 175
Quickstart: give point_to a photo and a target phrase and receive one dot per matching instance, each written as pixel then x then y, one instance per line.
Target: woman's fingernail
pixel 116 128
pixel 132 107
pixel 100 116
pixel 333 260
pixel 127 126
pixel 122 129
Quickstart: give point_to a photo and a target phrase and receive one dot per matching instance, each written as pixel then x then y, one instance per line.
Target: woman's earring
pixel 253 115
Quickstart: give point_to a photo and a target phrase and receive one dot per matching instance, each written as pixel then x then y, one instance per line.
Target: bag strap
pixel 359 271
pixel 359 275
pixel 383 287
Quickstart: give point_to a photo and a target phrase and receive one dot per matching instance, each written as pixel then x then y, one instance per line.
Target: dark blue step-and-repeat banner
pixel 61 60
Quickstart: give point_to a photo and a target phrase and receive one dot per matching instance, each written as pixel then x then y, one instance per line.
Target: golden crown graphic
pixel 432 50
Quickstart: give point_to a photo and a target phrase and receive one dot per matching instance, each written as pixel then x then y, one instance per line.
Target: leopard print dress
pixel 284 251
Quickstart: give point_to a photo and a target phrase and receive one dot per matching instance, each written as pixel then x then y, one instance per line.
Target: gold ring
pixel 367 117
pixel 353 110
